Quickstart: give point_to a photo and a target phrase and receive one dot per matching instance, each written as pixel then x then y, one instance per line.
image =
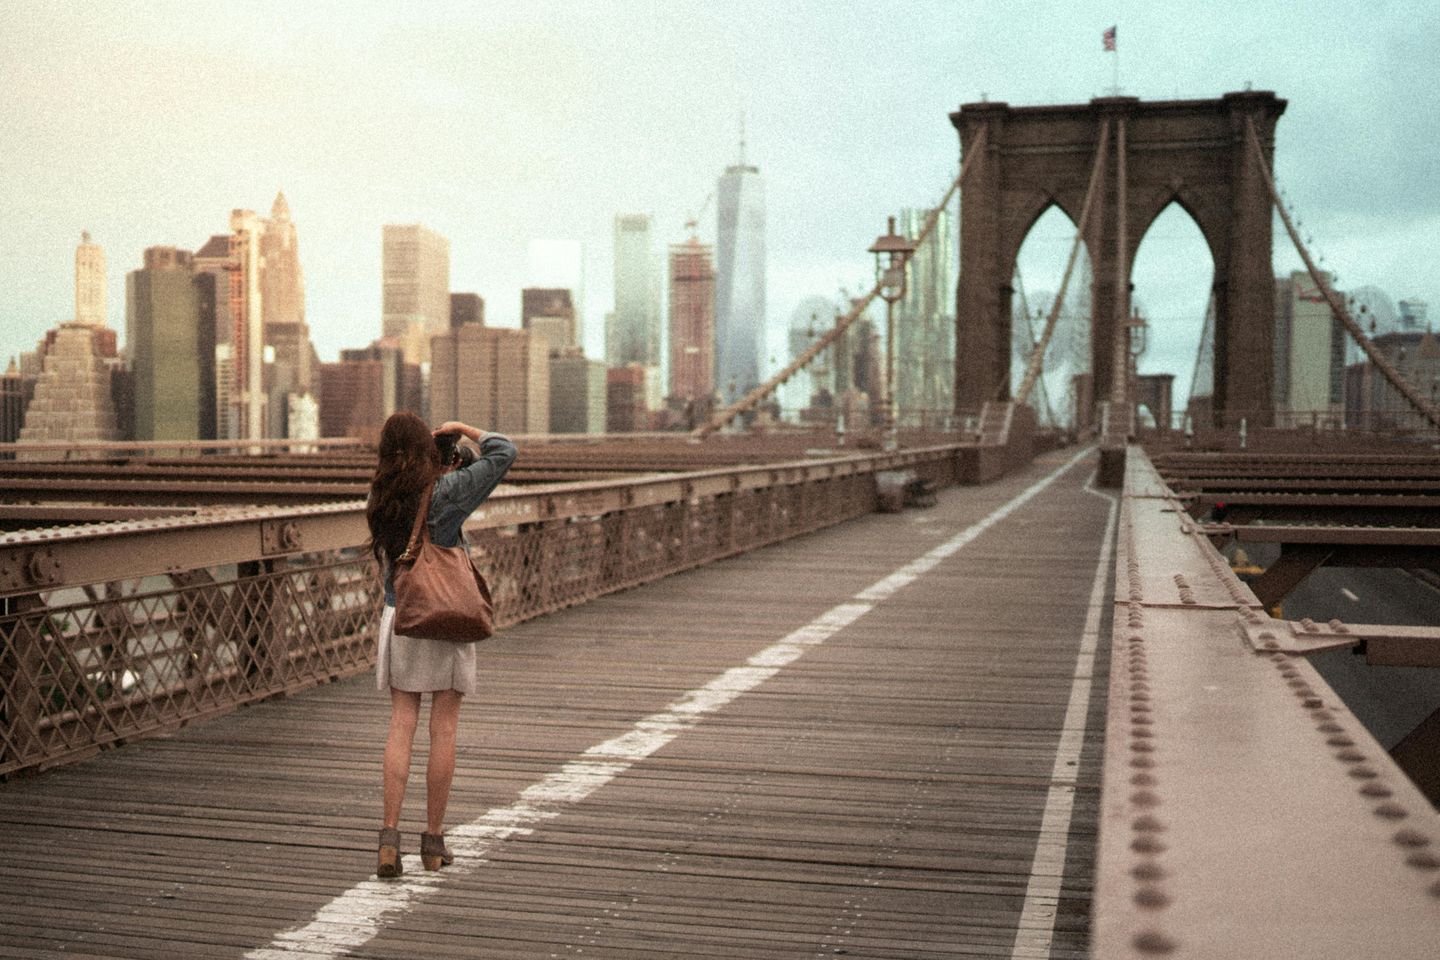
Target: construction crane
pixel 693 223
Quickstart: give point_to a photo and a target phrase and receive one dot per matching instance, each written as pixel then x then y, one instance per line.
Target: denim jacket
pixel 458 493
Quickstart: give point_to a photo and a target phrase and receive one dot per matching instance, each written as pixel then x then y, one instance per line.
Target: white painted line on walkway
pixel 1036 931
pixel 356 916
pixel 1348 595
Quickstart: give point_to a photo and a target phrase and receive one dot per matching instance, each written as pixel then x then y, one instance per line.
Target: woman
pixel 410 460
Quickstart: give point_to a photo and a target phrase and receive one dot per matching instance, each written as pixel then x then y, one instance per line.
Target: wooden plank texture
pixel 881 796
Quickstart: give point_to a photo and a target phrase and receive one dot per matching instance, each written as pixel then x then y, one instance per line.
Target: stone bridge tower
pixel 1191 152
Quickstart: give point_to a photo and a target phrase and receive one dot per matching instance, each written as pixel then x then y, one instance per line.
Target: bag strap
pixel 418 531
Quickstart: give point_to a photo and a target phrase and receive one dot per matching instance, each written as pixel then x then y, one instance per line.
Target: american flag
pixel 1108 39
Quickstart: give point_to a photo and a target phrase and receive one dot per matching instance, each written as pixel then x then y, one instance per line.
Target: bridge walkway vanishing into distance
pixel 881 737
pixel 795 752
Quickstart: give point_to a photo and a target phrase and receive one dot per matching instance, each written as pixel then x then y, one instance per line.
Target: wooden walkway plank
pixel 879 797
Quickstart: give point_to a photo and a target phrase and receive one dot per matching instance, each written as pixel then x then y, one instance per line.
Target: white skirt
pixel 422 666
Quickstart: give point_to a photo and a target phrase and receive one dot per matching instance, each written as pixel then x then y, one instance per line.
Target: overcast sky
pixel 496 123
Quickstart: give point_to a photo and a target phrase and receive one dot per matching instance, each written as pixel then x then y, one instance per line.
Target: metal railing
pixel 115 631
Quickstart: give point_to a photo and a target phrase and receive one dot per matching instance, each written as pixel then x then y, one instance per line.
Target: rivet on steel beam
pixel 1140 707
pixel 1265 635
pixel 1142 763
pixel 1362 773
pixel 1151 898
pixel 1144 798
pixel 1423 861
pixel 1312 703
pixel 1350 756
pixel 1340 741
pixel 1153 942
pixel 1147 824
pixel 1141 720
pixel 1411 838
pixel 1147 844
pixel 1338 627
pixel 1279 657
pixel 1144 780
pixel 1149 870
pixel 1434 890
pixel 1142 733
pixel 1374 789
pixel 1323 715
pixel 1142 746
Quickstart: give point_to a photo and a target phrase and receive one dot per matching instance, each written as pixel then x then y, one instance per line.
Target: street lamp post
pixel 892 251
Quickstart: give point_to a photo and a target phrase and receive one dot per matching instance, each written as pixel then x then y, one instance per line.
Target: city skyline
pixel 474 170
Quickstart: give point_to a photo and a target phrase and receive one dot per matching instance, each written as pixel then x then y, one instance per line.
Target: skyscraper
pixel 416 287
pixel 466 308
pixel 290 362
pixel 925 319
pixel 234 259
pixel 740 278
pixel 577 393
pixel 282 291
pixel 492 375
pixel 560 265
pixel 550 313
pixel 692 321
pixel 1309 348
pixel 89 282
pixel 74 367
pixel 632 332
pixel 169 335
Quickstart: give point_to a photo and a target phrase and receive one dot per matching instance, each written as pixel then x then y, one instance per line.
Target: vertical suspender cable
pixel 1120 360
pixel 1037 358
pixel 1397 380
pixel 753 398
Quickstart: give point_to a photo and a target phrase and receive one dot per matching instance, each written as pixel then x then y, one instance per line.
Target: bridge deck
pixel 673 770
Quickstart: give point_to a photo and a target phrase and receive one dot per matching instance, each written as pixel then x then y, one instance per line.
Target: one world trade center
pixel 739 278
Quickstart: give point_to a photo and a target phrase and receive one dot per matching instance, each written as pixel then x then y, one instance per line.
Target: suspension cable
pixel 843 322
pixel 1397 379
pixel 1037 358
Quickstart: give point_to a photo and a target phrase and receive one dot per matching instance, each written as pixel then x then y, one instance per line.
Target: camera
pixel 452 452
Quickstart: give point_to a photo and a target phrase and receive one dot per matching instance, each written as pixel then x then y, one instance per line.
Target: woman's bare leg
pixel 404 716
pixel 440 770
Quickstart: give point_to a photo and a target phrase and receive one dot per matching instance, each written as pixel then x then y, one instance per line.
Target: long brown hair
pixel 409 462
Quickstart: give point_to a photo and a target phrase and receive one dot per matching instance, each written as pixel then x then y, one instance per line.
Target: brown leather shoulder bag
pixel 439 594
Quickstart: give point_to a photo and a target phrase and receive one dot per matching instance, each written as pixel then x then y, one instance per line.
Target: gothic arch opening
pixel 1039 270
pixel 1173 275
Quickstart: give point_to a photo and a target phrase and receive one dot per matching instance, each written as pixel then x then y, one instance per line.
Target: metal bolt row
pixel 1152 895
pixel 1371 785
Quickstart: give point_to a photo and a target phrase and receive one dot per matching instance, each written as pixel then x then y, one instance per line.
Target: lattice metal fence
pixel 84 665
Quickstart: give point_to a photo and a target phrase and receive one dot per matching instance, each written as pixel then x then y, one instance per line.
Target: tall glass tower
pixel 739 278
pixel 633 332
pixel 925 321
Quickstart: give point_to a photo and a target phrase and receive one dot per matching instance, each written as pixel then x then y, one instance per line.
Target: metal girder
pixel 1329 534
pixel 1289 570
pixel 1419 755
pixel 1234 776
pixel 101 552
pixel 1384 645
